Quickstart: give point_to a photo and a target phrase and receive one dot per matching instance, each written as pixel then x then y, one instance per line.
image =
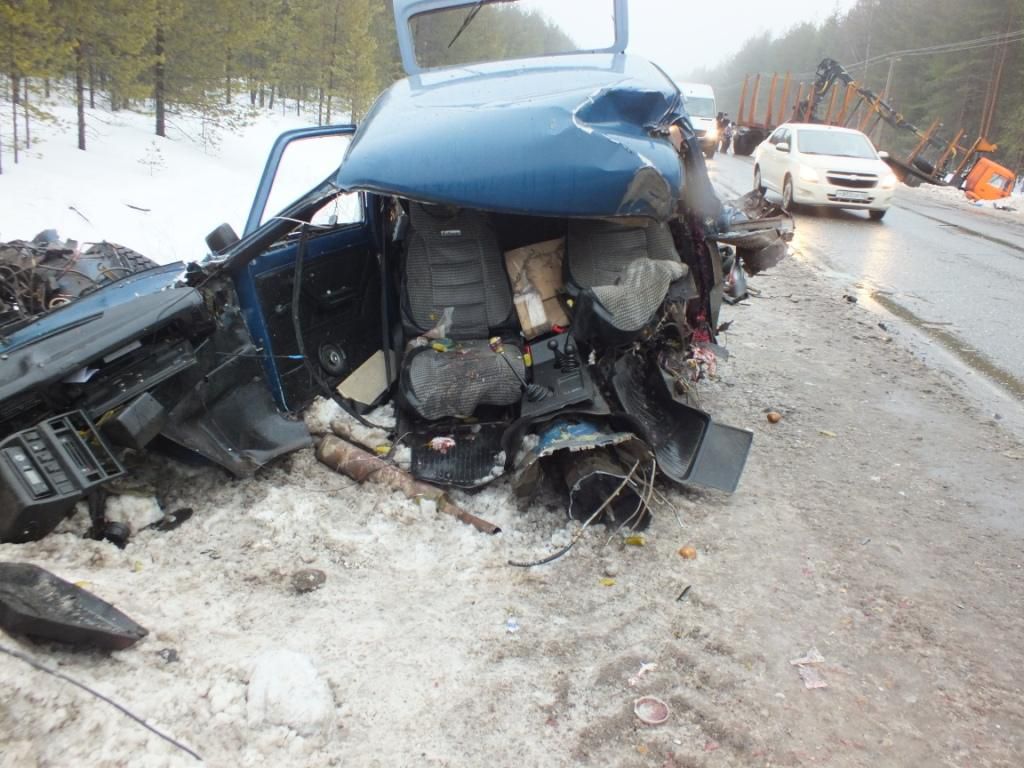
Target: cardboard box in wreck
pixel 536 275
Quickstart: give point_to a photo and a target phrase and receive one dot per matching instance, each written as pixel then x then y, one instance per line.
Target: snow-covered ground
pixel 423 647
pixel 184 186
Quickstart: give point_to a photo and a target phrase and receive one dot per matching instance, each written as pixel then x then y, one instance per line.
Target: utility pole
pixel 989 112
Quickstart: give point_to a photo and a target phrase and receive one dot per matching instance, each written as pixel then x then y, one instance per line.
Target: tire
pixel 758 183
pixel 876 215
pixel 787 194
pixel 47 273
pixel 924 166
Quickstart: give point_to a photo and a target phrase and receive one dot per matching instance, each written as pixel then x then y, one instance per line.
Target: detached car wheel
pixel 46 273
pixel 758 184
pixel 877 215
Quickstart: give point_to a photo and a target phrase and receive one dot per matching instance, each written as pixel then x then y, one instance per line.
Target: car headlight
pixel 712 132
pixel 888 181
pixel 808 174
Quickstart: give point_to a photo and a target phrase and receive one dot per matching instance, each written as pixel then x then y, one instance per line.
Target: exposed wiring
pixel 36 665
pixel 604 505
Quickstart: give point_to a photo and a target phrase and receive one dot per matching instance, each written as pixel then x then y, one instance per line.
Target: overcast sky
pixel 682 35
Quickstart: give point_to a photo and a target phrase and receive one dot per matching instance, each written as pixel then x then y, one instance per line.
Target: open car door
pixel 313 336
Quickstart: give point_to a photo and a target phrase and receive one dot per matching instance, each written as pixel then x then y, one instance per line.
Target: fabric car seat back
pixel 625 267
pixel 454 261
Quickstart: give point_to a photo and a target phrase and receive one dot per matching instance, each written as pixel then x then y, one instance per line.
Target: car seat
pixel 619 275
pixel 455 298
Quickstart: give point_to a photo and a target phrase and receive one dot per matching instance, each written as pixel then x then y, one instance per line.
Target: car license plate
pixel 851 195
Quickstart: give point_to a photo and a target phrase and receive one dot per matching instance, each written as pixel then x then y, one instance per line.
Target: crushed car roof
pixel 558 136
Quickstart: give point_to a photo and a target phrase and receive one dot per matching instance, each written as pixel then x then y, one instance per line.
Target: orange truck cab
pixel 988 181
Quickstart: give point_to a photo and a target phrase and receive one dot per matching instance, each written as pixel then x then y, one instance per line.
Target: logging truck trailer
pixel 835 98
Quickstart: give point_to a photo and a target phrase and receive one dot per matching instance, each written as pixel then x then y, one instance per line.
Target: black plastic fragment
pixel 36 603
pixel 171 520
pixel 691 448
pixel 473 460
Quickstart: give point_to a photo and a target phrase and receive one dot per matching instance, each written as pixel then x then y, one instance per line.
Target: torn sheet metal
pixel 36 603
pixel 561 435
pixel 759 231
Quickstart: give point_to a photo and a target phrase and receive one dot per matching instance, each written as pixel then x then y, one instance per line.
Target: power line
pixel 988 41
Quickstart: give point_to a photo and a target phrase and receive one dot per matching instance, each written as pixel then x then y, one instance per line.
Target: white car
pixel 811 164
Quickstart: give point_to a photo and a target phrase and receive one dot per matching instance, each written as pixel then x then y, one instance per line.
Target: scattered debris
pixel 711 746
pixel 285 689
pixel 361 466
pixel 806 666
pixel 849 298
pixel 552 557
pixel 689 552
pixel 774 417
pixel 811 657
pixel 171 520
pixel 684 593
pixel 511 625
pixel 636 540
pixel 169 655
pixel 308 580
pixel 650 710
pixel 442 444
pixel 607 582
pixel 644 669
pixel 811 677
pixel 826 433
pixel 36 603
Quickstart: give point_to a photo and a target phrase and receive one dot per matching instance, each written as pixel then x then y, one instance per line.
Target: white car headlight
pixel 808 174
pixel 888 181
pixel 712 132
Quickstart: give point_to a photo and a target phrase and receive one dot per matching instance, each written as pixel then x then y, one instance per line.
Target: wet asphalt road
pixel 954 272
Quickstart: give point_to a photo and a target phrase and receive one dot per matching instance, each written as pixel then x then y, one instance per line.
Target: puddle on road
pixel 951 343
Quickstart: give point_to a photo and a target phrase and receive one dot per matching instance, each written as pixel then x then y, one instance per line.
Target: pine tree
pixel 27 40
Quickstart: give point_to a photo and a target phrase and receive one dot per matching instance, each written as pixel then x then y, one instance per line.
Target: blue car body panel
pixel 280 263
pixel 93 305
pixel 579 135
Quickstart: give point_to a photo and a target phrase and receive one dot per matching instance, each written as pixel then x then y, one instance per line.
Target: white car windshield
pixel 813 142
pixel 511 29
pixel 697 106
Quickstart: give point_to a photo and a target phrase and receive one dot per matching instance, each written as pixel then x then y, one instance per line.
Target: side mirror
pixel 222 238
pixel 883 155
pixel 782 146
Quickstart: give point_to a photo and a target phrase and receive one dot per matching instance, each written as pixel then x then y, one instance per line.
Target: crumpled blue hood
pixel 556 136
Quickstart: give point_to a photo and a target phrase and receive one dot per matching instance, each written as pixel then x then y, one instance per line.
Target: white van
pixel 700 106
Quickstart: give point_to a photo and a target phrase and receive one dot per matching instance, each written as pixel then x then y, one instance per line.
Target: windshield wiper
pixel 467 21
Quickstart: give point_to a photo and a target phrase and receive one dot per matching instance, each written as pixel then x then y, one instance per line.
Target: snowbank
pixel 160 196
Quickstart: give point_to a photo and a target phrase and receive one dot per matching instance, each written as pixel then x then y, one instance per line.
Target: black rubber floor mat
pixel 463 456
pixel 689 446
pixel 36 603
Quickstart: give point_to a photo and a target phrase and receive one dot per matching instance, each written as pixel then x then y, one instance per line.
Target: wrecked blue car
pixel 525 257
